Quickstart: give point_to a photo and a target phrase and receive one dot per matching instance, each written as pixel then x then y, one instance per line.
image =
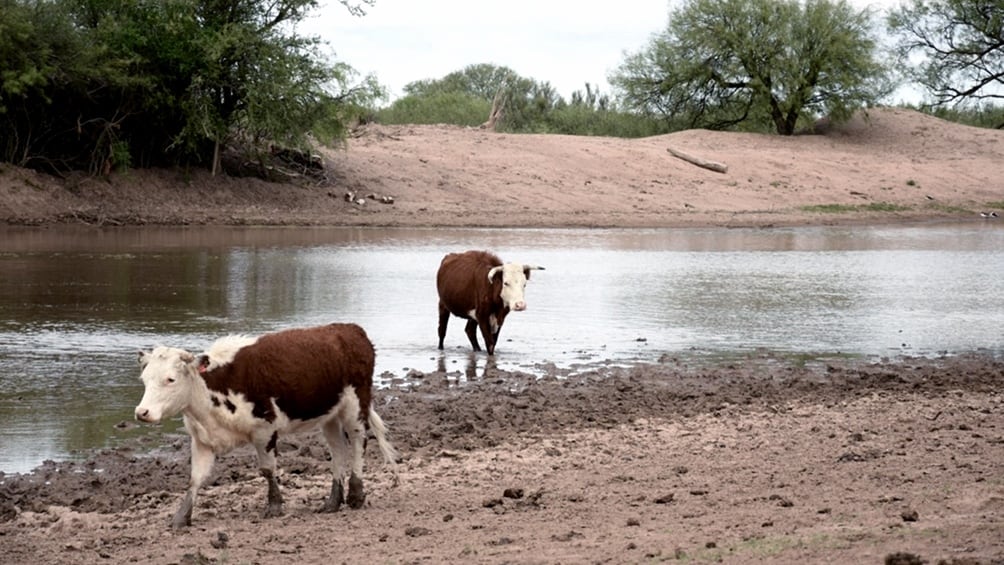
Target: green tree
pixel 756 63
pixel 523 101
pixel 960 44
pixel 102 84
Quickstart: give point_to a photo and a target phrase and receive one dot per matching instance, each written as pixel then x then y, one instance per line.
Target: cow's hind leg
pixel 444 319
pixel 357 440
pixel 340 453
pixel 267 467
pixel 346 435
pixel 472 334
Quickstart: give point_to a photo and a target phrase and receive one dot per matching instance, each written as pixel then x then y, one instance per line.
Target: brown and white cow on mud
pixel 476 286
pixel 250 390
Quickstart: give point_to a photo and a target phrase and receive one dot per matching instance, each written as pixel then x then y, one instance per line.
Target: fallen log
pixel 710 165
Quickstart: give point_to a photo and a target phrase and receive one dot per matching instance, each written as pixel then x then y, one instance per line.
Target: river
pixel 78 303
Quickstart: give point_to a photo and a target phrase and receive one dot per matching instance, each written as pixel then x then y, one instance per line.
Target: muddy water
pixel 76 304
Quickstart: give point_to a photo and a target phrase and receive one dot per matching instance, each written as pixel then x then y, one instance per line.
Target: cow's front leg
pixel 267 466
pixel 489 331
pixel 202 465
pixel 472 334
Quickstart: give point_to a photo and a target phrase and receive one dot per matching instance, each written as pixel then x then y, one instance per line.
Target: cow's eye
pixel 169 380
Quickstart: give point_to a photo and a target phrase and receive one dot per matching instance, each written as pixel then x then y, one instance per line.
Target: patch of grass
pixel 884 207
pixel 845 208
pixel 830 208
pixel 999 204
pixel 949 209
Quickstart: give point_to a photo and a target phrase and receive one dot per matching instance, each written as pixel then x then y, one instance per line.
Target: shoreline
pixel 772 459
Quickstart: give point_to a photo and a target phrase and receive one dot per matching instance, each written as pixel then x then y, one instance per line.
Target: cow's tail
pixel 379 430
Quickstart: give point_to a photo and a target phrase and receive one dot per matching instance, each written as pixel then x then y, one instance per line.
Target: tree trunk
pixel 498 109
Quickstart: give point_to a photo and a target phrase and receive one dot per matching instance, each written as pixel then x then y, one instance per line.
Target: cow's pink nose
pixel 519 306
pixel 142 414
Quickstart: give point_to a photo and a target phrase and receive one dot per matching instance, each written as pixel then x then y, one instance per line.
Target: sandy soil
pixel 904 165
pixel 773 460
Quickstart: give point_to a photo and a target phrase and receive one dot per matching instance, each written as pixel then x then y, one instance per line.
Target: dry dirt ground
pixel 765 459
pixel 899 164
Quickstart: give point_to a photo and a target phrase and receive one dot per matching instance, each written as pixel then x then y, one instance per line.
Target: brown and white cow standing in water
pixel 249 390
pixel 476 286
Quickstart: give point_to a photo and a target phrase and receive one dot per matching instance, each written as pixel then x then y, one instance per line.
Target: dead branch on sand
pixel 710 165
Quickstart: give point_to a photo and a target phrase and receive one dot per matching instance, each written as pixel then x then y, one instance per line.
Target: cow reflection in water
pixel 471 368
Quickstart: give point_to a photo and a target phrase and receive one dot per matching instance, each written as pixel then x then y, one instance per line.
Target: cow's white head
pixel 168 376
pixel 514 277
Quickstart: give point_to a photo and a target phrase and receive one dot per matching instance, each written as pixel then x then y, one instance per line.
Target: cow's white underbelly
pixel 223 430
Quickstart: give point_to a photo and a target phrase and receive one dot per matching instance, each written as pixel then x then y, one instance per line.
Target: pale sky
pixel 564 42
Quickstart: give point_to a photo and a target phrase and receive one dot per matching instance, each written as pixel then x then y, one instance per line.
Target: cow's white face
pixel 167 376
pixel 514 277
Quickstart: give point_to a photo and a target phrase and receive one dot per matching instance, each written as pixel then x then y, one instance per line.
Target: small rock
pixel 909 515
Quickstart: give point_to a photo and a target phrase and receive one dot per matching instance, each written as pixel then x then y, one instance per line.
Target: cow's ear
pixel 492 272
pixel 144 357
pixel 203 363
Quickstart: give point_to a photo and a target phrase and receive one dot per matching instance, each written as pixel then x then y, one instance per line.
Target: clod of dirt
pixel 221 541
pixel 909 515
pixel 514 493
pixel 903 558
pixel 417 531
pixel 781 501
pixel 569 536
pixel 665 499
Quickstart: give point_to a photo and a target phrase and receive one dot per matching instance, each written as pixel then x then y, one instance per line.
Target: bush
pixel 455 108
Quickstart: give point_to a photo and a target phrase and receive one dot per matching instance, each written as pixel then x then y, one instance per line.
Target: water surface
pixel 76 304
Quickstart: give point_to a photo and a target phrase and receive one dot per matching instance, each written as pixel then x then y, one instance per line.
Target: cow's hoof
pixel 356 496
pixel 181 520
pixel 272 511
pixel 334 501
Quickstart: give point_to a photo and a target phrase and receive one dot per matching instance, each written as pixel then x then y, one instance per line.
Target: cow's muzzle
pixel 143 415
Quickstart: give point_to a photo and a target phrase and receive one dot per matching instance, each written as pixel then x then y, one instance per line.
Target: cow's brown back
pixel 304 370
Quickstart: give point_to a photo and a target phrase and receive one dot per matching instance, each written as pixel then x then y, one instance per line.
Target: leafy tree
pixel 961 45
pixel 102 84
pixel 523 100
pixel 725 63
